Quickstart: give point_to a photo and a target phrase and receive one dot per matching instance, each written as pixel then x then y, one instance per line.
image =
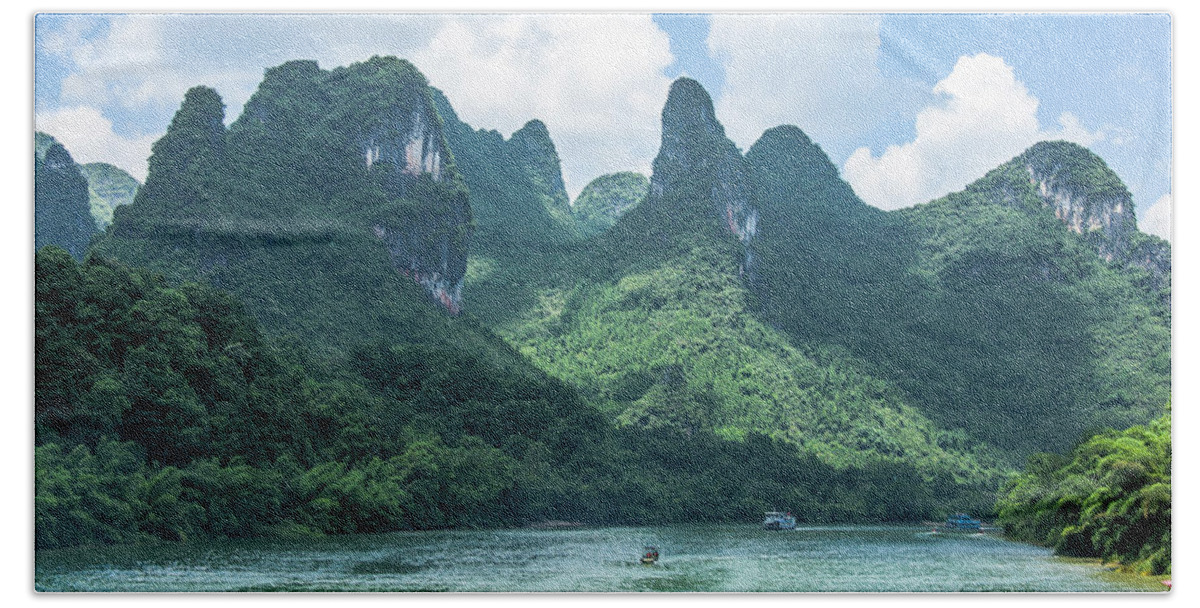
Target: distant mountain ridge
pixel 697 335
pixel 657 324
pixel 604 199
pixel 108 186
pixel 831 271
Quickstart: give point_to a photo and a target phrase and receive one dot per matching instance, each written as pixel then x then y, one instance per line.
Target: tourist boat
pixel 649 555
pixel 960 522
pixel 778 520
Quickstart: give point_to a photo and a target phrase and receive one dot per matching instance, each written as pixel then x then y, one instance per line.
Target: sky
pixel 908 106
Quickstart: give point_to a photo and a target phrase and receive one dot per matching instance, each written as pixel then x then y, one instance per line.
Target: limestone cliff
pixel 360 149
pixel 698 165
pixel 1092 201
pixel 404 142
pixel 333 196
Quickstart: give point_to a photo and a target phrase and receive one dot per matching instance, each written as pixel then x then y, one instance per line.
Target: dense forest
pixel 349 311
pixel 178 420
pixel 1109 497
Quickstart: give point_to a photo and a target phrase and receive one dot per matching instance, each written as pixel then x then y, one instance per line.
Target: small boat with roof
pixel 962 523
pixel 778 520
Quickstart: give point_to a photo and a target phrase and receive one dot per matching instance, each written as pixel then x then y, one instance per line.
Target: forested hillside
pixel 270 340
pixel 984 306
pixel 659 328
pixel 602 202
pixel 319 210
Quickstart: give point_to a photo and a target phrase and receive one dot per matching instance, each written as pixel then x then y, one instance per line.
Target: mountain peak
pixel 535 151
pixel 1078 168
pixel 60 209
pixel 1091 200
pixel 689 112
pixel 697 166
pixel 800 170
pixel 535 130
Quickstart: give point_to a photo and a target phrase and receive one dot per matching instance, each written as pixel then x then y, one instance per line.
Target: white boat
pixel 778 520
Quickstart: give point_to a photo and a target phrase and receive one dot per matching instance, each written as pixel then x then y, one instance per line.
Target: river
pixel 709 558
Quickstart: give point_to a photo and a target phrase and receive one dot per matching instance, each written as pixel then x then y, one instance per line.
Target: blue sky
pixel 908 106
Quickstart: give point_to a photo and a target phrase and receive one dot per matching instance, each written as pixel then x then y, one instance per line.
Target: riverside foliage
pixel 1110 497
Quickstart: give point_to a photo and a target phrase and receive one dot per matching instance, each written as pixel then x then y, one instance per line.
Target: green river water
pixel 708 558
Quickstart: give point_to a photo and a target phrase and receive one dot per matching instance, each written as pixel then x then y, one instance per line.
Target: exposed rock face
pixel 382 109
pixel 696 162
pixel 355 154
pixel 410 144
pixel 1092 201
pixel 1111 216
pixel 428 246
pixel 431 262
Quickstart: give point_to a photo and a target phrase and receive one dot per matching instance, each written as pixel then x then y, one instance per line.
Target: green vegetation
pixel 676 347
pixel 1084 344
pixel 1110 497
pixel 981 306
pixel 606 198
pixel 42 143
pixel 522 219
pixel 177 420
pixel 1074 167
pixel 654 324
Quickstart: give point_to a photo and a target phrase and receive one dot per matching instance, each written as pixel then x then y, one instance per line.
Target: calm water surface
pixel 694 558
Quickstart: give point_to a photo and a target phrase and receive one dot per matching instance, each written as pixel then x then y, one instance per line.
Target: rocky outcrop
pixel 1091 200
pixel 411 144
pixel 381 110
pixel 428 243
pixel 697 164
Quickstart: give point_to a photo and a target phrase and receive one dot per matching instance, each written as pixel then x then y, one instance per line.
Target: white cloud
pixel 987 118
pixel 89 137
pixel 815 71
pixel 1158 218
pixel 595 80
